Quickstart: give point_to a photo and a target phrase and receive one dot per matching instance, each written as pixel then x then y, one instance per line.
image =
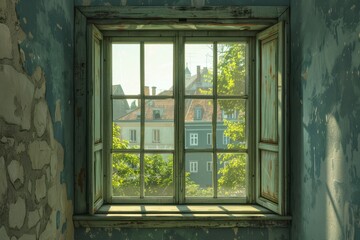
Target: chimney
pixel 147 91
pixel 198 74
pixel 153 91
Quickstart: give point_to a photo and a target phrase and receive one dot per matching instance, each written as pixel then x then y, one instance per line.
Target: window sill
pixel 149 216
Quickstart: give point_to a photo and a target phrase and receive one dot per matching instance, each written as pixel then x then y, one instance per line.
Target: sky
pixel 158 64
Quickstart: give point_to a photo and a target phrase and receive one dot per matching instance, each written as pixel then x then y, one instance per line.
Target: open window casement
pixel 95 119
pixel 270 130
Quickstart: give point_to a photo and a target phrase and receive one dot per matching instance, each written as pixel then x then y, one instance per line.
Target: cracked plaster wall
pixel 36 129
pixel 325 128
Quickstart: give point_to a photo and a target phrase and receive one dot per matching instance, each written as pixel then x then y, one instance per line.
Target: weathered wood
pixel 158 13
pixel 80 165
pixel 270 156
pixel 182 220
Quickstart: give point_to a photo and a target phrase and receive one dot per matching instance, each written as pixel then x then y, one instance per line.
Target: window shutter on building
pixel 270 114
pixel 95 119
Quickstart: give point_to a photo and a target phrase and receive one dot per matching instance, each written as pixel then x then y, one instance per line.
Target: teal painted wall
pixel 325 122
pixel 49 26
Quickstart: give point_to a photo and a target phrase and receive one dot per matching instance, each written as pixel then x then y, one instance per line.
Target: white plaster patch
pixel 40 188
pixel 3 234
pixel 3 181
pixel 50 230
pixel 16 174
pixel 33 218
pixel 37 74
pixel 39 152
pixel 16 96
pixel 40 92
pixel 40 117
pixel 58 111
pixel 53 165
pixel 28 237
pixel 17 213
pixel 5 42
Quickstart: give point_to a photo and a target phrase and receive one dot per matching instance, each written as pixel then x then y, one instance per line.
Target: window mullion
pixel 142 124
pixel 180 118
pixel 215 166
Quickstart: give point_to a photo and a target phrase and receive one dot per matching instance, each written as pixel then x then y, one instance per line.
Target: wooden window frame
pixel 89 15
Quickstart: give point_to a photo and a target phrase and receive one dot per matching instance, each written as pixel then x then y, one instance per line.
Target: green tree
pixel 232 81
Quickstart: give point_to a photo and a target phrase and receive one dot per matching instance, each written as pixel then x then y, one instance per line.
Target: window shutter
pixel 270 130
pixel 95 119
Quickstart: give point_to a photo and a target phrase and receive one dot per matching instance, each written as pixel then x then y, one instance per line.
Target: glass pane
pixel 159 175
pixel 126 69
pixel 232 178
pixel 199 69
pixel 159 69
pixel 231 124
pixel 198 122
pixel 159 124
pixel 126 128
pixel 126 174
pixel 232 69
pixel 198 180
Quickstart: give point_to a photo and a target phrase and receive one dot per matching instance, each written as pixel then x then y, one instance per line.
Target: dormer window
pixel 198 114
pixel 156 114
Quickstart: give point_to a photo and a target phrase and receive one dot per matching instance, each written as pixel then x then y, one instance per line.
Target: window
pixel 260 115
pixel 132 135
pixel 198 113
pixel 226 139
pixel 193 167
pixel 209 138
pixel 156 114
pixel 193 139
pixel 156 135
pixel 209 166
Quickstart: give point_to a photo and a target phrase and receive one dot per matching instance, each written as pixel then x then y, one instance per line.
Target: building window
pixel 156 136
pixel 209 166
pixel 226 139
pixel 194 139
pixel 209 138
pixel 132 135
pixel 156 114
pixel 193 167
pixel 198 113
pixel 226 81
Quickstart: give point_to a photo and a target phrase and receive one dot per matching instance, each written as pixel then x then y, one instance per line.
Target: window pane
pixel 232 175
pixel 198 122
pixel 126 174
pixel 159 69
pixel 126 127
pixel 199 69
pixel 231 124
pixel 126 68
pixel 232 69
pixel 198 181
pixel 159 124
pixel 159 175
